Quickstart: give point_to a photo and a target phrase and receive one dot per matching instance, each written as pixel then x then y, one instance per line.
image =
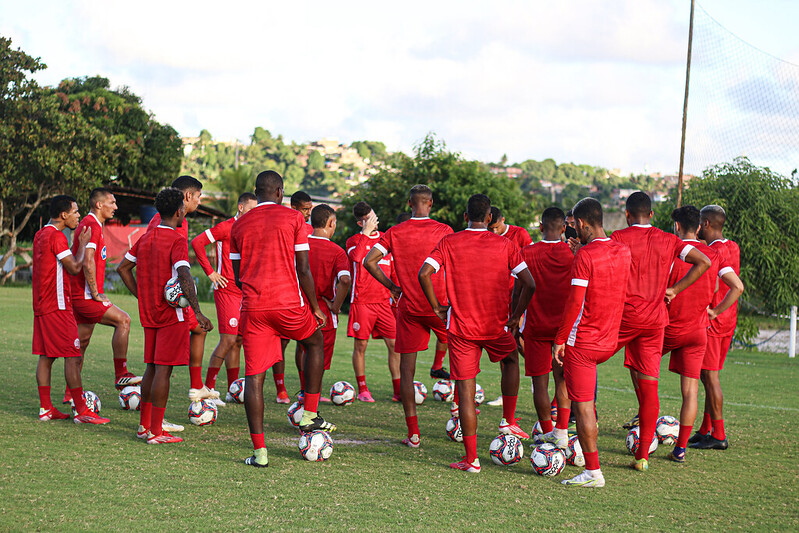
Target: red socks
pixel 647 415
pixel 258 440
pixel 718 429
pixel 146 414
pixel 44 398
pixel 470 442
pixel 196 377
pixel 396 384
pixel 157 420
pixel 120 367
pixel 509 408
pixel 232 375
pixel 438 362
pixel 704 429
pixel 280 385
pixel 563 418
pixel 361 384
pixel 311 402
pixel 77 398
pixel 685 434
pixel 456 396
pixel 413 425
pixel 591 460
pixel 210 377
pixel 546 425
pixel 302 379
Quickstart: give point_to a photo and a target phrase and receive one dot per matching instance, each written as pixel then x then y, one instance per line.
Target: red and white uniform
pixel 719 335
pixel 590 326
pixel 550 263
pixel 55 332
pixel 265 241
pixel 409 244
pixel 158 254
pixel 370 309
pixel 228 298
pixel 518 236
pixel 645 315
pixel 478 295
pixel 88 310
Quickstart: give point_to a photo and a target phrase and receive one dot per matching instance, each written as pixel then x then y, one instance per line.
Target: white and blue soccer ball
pixel 236 390
pixel 547 459
pixel 634 439
pixel 419 392
pixel 479 395
pixel 316 446
pixel 443 390
pixel 574 452
pixel 173 293
pixel 130 398
pixel 92 402
pixel 295 413
pixel 454 431
pixel 668 430
pixel 506 450
pixel 202 413
pixel 342 393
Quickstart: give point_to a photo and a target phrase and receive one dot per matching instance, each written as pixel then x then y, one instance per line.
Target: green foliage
pixel 232 183
pixel 372 150
pixel 316 161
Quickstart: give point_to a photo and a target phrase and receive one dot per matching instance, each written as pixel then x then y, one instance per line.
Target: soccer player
pixel 370 308
pixel 549 262
pixel 645 315
pixel 227 296
pixel 302 202
pixel 157 256
pixel 90 305
pixel 410 243
pixel 478 267
pixel 55 332
pixel 719 336
pixel 192 191
pixel 590 327
pixel 269 253
pixel 686 334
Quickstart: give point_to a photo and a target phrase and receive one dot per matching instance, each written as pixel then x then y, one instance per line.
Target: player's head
pixel 420 199
pixel 569 218
pixel 686 221
pixel 497 224
pixel 324 217
pixel 587 218
pixel 639 208
pixel 65 208
pixel 360 211
pixel 247 201
pixel 478 209
pixel 170 203
pixel 269 187
pixel 553 223
pixel 301 202
pixel 192 189
pixel 711 221
pixel 402 217
pixel 102 203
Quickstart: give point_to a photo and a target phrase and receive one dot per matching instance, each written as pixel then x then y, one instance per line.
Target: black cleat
pixel 677 458
pixel 253 461
pixel 633 423
pixel 318 423
pixel 439 373
pixel 711 443
pixel 697 437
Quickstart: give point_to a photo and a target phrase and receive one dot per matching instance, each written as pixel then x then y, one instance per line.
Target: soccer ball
pixel 506 450
pixel 316 446
pixel 479 395
pixel 202 413
pixel 574 452
pixel 548 460
pixel 420 392
pixel 342 393
pixel 295 413
pixel 92 402
pixel 130 398
pixel 173 293
pixel 236 390
pixel 454 429
pixel 538 434
pixel 633 440
pixel 444 390
pixel 668 429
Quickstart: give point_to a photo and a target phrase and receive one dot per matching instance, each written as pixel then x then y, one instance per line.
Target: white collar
pixel 95 218
pixel 690 240
pixel 722 240
pixel 265 203
pixel 507 229
pixel 550 242
pixel 601 240
pixel 166 227
pixel 476 229
pixel 51 225
pixel 419 218
pixel 320 238
pixel 641 226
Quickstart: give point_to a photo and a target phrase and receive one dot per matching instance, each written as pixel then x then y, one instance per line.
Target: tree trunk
pixel 14 233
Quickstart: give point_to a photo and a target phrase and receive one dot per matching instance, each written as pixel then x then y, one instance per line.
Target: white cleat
pixel 195 395
pixel 584 479
pixel 171 428
pixel 560 440
pixel 217 401
pixel 496 403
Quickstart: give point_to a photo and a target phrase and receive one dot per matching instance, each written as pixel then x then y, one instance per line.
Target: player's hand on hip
pixel 670 294
pixel 218 279
pixel 441 312
pixel 396 292
pixel 558 350
pixel 99 297
pixel 712 314
pixel 321 319
pixel 204 322
pixel 512 325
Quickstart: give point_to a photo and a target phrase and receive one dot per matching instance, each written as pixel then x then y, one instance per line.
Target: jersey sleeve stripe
pixel 580 282
pixel 342 273
pixel 63 254
pixel 686 251
pixel 130 257
pixel 181 264
pixel 210 235
pixel 433 263
pixel 381 248
pixel 235 256
pixel 521 266
pixel 725 270
pixel 92 245
pixel 301 247
pixel 351 248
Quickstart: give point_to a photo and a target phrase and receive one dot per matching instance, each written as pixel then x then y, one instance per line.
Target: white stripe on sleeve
pixel 210 235
pixel 521 266
pixel 181 263
pixel 580 282
pixel 725 270
pixel 686 251
pixel 381 248
pixel 235 256
pixel 301 247
pixel 63 254
pixel 433 263
pixel 342 273
pixel 130 257
pixel 91 245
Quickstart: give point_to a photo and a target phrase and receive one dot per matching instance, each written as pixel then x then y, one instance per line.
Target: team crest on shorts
pixel 356 326
pixel 77 344
pixel 233 322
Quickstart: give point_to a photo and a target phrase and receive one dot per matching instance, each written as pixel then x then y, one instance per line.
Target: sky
pixel 583 81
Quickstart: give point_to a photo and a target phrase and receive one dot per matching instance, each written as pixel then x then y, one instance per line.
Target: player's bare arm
pixel 370 263
pixel 700 264
pixel 90 273
pixel 525 279
pixel 557 353
pixel 74 264
pixel 425 275
pixel 736 289
pixel 343 286
pixel 305 278
pixel 187 286
pixel 125 271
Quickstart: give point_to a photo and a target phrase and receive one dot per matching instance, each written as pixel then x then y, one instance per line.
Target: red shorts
pixel 56 335
pixel 537 356
pixel 716 352
pixel 228 311
pixel 168 345
pixel 687 351
pixel 262 330
pixel 376 320
pixel 190 318
pixel 329 340
pixel 89 311
pixel 413 332
pixel 642 349
pixel 464 354
pixel 579 371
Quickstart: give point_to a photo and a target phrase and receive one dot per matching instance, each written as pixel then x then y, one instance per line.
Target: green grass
pixel 60 476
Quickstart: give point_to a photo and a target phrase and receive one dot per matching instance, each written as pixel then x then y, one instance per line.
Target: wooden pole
pixel 685 106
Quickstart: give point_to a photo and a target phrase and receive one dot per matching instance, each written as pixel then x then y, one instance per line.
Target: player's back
pixel 328 261
pixel 550 264
pixel 80 289
pixel 688 310
pixel 158 254
pixel 365 288
pixel 183 229
pixel 219 236
pixel 51 291
pixel 725 323
pixel 518 235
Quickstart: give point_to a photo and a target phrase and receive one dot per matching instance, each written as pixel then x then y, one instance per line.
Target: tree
pixel 316 161
pixel 233 182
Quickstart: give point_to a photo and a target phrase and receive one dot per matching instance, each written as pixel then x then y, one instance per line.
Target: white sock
pixel 595 473
pixel 561 433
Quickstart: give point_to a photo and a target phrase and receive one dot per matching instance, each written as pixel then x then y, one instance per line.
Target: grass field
pixel 61 476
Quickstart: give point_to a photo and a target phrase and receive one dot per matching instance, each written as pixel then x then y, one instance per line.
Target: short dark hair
pixel 553 218
pixel 569 213
pixel 168 201
pixel 496 214
pixel 402 217
pixel 478 207
pixel 61 204
pixel 97 194
pixel 187 183
pixel 589 210
pixel 247 197
pixel 268 182
pixel 321 214
pixel 360 210
pixel 300 197
pixel 639 204
pixel 715 214
pixel 687 216
pixel 420 192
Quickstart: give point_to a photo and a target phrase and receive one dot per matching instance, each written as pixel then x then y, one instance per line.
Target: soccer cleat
pixel 169 426
pixel 584 479
pixel 512 428
pixel 259 458
pixel 496 403
pixel 90 417
pixel 204 393
pixel 282 397
pixel 396 398
pixel 642 465
pixel 217 402
pixel 439 373
pixel 711 443
pixel 677 458
pixel 473 468
pixel 412 442
pixel 45 415
pixel 633 423
pixel 163 438
pixel 324 399
pixel 318 423
pixel 697 437
pixel 454 411
pixel 126 380
pixel 143 432
pixel 560 442
pixel 366 396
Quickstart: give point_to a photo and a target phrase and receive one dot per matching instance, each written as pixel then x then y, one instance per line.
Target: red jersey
pixel 328 263
pixel 51 292
pixel 478 265
pixel 183 229
pixel 365 288
pixel 410 243
pixel 80 289
pixel 550 263
pixel 725 323
pixel 219 235
pixel 603 268
pixel 653 251
pixel 158 254
pixel 265 240
pixel 519 236
pixel 688 310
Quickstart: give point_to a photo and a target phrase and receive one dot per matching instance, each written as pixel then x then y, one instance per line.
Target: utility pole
pixel 685 106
